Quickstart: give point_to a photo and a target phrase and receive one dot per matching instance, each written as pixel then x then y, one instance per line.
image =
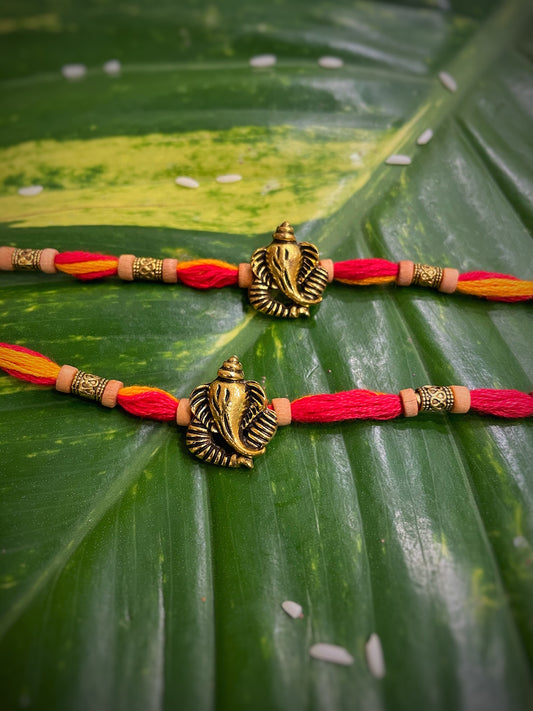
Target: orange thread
pixel 494 288
pixel 98 265
pixel 183 266
pixel 27 364
pixel 369 281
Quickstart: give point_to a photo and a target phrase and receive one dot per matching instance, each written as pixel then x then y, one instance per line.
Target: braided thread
pixel 495 286
pixel 24 364
pixel 148 402
pixel 365 272
pixel 347 405
pixel 502 403
pixel 208 273
pixel 86 265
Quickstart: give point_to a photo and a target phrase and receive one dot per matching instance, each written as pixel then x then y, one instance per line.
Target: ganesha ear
pixel 310 258
pixel 199 404
pixel 259 266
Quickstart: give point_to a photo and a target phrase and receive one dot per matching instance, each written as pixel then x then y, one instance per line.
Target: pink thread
pixel 347 405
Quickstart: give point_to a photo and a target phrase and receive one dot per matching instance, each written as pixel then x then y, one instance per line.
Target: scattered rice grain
pixel 113 67
pixel 30 190
pixel 73 71
pixel 425 137
pixel 448 81
pixel 398 159
pixel 186 182
pixel 293 609
pixel 330 62
pixel 232 178
pixel 331 653
pixel 263 60
pixel 374 656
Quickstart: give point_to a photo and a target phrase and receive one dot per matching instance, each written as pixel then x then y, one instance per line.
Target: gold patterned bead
pixel 26 260
pixel 434 398
pixel 426 275
pixel 147 269
pixel 88 386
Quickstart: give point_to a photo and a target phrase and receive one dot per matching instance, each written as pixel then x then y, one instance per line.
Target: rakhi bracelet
pixel 229 421
pixel 283 279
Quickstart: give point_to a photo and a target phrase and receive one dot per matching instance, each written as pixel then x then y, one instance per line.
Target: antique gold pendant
pixel 287 277
pixel 230 422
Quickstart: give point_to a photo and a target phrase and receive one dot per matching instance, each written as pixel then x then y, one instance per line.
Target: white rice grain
pixel 232 178
pixel 187 182
pixel 398 159
pixel 425 137
pixel 263 60
pixel 448 81
pixel 331 653
pixel 293 609
pixel 30 190
pixel 113 67
pixel 330 62
pixel 73 71
pixel 374 656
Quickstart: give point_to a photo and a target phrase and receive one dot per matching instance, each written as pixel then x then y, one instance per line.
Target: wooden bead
pixel 409 402
pixel 450 277
pixel 183 413
pixel 406 270
pixel 109 396
pixel 6 255
pixel 170 274
pixel 65 378
pixel 47 261
pixel 282 408
pixel 125 266
pixel 245 275
pixel 328 265
pixel 461 399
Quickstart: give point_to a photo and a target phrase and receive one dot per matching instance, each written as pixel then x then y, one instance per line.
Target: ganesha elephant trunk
pixel 227 403
pixel 284 261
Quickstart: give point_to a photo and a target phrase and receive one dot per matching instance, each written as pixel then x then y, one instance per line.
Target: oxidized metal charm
pixel 230 422
pixel 287 278
pixel 434 398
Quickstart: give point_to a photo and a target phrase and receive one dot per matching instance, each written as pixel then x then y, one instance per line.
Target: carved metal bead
pixel 88 386
pixel 427 275
pixel 434 398
pixel 147 269
pixel 26 260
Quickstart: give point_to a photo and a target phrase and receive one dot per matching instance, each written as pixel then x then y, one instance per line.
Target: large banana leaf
pixel 132 575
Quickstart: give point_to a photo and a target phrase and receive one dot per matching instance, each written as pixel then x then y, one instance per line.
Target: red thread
pixel 360 269
pixel 348 405
pixel 207 276
pixel 81 258
pixel 154 403
pixel 476 276
pixel 502 403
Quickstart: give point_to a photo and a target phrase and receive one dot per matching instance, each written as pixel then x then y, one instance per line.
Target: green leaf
pixel 133 576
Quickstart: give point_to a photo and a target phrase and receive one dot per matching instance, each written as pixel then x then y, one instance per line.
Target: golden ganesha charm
pixel 290 270
pixel 230 422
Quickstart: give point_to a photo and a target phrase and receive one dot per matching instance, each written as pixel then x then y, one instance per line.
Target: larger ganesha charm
pixel 230 423
pixel 287 277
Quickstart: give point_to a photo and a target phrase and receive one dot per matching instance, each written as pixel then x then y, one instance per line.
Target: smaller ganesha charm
pixel 230 423
pixel 287 277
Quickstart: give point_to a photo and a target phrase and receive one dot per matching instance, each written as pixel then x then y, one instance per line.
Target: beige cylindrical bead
pixel 282 408
pixel 245 275
pixel 125 266
pixel 461 399
pixel 170 275
pixel 183 413
pixel 450 277
pixel 6 255
pixel 328 265
pixel 406 270
pixel 47 261
pixel 65 377
pixel 409 402
pixel 109 396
